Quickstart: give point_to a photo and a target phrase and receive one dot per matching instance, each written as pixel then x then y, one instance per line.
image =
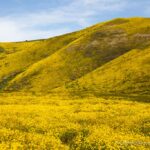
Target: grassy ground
pixel 30 122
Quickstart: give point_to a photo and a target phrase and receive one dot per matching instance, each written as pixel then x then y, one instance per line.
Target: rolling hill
pixel 128 74
pixel 108 58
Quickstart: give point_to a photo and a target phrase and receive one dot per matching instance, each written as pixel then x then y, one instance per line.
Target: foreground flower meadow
pixel 45 123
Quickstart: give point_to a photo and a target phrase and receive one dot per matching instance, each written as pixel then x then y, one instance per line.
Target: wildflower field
pixel 45 123
pixel 85 90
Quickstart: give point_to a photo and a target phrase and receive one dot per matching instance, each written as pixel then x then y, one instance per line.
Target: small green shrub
pixel 68 136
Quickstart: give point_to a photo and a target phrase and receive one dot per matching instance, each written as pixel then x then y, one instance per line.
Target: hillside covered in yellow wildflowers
pixel 108 58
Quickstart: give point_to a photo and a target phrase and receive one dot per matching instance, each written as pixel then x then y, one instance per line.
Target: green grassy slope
pixel 98 45
pixel 129 74
pixel 58 61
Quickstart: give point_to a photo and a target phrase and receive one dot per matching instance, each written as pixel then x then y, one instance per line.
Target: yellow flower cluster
pixel 87 124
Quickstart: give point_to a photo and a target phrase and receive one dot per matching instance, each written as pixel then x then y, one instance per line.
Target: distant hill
pixel 108 58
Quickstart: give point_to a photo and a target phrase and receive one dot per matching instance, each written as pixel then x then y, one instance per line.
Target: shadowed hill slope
pixel 129 74
pixel 55 62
